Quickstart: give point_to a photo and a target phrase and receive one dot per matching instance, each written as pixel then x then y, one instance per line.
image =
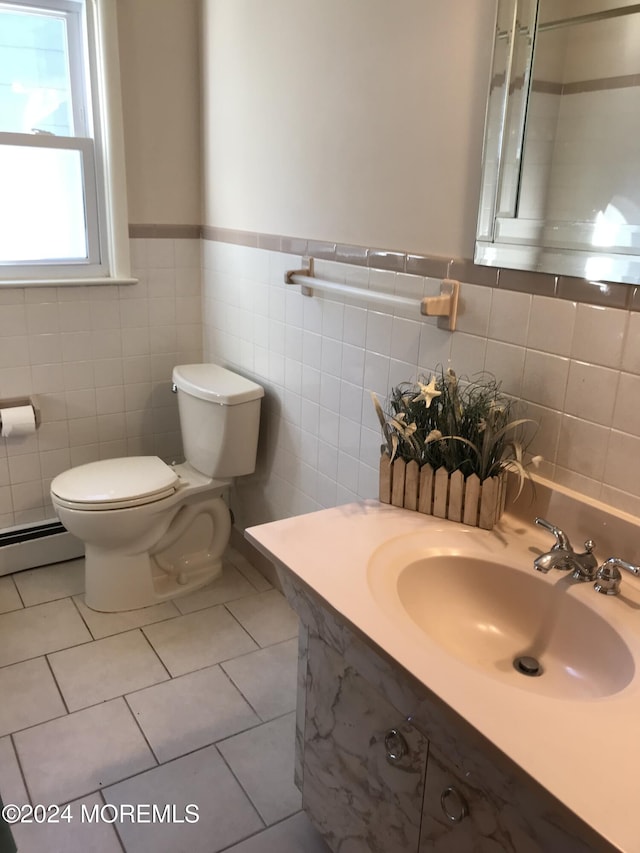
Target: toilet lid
pixel 131 481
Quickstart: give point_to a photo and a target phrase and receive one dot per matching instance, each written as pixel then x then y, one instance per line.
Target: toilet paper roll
pixel 17 421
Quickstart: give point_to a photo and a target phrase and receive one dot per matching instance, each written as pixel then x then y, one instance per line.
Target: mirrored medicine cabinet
pixel 561 160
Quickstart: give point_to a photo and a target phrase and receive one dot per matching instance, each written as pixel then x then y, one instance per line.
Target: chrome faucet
pixel 562 556
pixel 608 577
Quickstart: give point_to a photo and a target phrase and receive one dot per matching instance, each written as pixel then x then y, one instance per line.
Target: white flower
pixel 427 392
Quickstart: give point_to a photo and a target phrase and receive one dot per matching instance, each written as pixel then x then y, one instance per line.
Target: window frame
pixel 101 146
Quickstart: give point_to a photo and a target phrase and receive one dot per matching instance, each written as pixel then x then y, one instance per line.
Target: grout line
pixel 227 600
pixel 84 621
pixel 236 687
pixel 55 680
pixel 262 831
pixel 100 793
pixel 124 630
pixel 242 788
pixel 146 740
pixel 153 649
pixel 17 588
pixel 43 654
pixel 20 768
pixel 246 630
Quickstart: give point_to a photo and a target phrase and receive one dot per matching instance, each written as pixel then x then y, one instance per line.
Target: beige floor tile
pixel 11 782
pixel 198 640
pixel 262 760
pixel 105 669
pixel 107 624
pixel 80 834
pixel 41 629
pixel 200 779
pixel 267 678
pixel 9 598
pixel 293 835
pixel 232 584
pixel 29 696
pixel 190 712
pixel 256 578
pixel 75 755
pixel 51 582
pixel 266 616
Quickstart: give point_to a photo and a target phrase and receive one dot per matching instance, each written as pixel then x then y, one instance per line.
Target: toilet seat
pixel 115 483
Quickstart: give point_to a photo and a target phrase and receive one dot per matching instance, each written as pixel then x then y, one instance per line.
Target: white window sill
pixel 65 282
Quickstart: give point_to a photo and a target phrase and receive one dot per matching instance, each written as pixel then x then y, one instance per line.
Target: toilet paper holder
pixel 11 402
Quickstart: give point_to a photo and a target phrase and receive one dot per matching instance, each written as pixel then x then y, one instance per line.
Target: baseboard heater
pixel 30 546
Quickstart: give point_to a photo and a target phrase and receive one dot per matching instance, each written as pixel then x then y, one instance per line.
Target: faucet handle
pixel 608 577
pixel 562 540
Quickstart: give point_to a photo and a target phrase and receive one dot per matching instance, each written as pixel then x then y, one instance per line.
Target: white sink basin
pixel 488 614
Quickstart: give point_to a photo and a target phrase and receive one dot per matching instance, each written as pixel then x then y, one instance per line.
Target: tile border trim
pixel 166 232
pixel 608 294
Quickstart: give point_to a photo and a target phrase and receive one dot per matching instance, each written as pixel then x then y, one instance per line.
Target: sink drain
pixel 527 665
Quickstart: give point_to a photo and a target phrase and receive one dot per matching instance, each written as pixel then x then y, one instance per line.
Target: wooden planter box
pixel 479 504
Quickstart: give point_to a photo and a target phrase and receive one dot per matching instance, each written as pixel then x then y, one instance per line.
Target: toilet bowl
pixel 154 531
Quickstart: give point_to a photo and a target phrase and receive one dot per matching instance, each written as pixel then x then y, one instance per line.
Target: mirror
pixel 561 162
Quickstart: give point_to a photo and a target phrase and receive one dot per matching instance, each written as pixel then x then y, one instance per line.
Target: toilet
pixel 154 531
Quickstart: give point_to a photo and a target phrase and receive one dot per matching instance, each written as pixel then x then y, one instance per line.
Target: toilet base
pixel 135 581
pixel 187 557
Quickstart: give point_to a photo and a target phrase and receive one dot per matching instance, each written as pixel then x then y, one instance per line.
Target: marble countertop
pixel 584 751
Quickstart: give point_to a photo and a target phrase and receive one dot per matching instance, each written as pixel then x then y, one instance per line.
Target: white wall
pixel 362 123
pixel 159 44
pixel 355 121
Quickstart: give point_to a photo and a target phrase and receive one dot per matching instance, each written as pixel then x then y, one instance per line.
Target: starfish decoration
pixel 427 392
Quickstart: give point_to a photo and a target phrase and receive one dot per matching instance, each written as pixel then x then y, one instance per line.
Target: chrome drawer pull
pixel 454 805
pixel 396 746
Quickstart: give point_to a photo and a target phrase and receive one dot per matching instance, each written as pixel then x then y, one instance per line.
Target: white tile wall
pixel 593 137
pixel 578 365
pixel 99 360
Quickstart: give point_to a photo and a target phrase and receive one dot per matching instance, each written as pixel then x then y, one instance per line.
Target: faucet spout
pixel 562 556
pixel 554 559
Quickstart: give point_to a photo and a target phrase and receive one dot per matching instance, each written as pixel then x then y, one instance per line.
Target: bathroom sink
pixel 512 624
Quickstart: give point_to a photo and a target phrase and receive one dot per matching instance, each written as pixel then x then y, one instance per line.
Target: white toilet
pixel 154 531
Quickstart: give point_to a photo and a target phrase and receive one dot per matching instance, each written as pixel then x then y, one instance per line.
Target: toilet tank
pixel 219 418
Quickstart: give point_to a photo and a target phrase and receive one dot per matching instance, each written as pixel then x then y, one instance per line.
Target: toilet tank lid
pixel 215 383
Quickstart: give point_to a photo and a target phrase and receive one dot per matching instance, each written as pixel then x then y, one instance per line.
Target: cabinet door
pixel 364 765
pixel 464 814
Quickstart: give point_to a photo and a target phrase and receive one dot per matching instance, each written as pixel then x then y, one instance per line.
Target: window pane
pixel 35 86
pixel 42 211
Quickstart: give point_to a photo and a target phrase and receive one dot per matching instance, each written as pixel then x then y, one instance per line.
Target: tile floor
pixel 188 702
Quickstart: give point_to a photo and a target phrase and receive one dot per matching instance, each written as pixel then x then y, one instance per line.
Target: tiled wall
pixel 99 360
pixel 593 137
pixel 578 364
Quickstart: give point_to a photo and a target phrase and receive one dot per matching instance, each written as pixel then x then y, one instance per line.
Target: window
pixel 57 212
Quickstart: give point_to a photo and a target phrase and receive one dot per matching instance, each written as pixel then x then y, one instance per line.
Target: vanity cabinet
pixel 363 764
pixel 384 767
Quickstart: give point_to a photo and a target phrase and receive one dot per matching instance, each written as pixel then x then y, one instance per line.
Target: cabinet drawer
pixel 364 765
pixel 464 814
